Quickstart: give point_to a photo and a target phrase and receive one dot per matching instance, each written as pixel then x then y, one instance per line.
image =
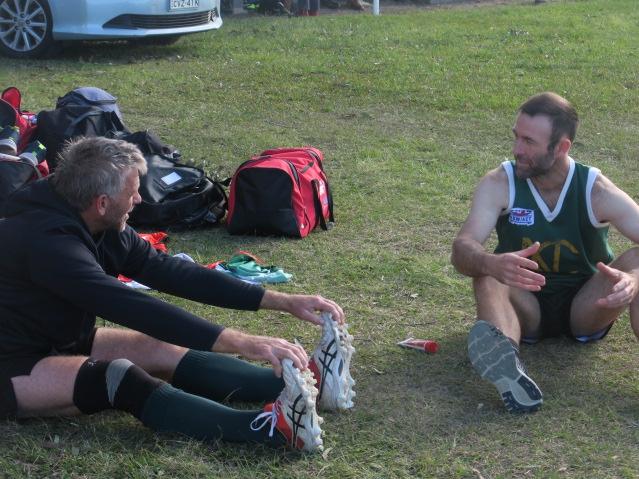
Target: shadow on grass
pixel 116 52
pixel 119 433
pixel 451 394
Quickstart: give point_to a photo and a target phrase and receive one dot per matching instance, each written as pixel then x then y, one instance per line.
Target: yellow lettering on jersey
pixel 556 257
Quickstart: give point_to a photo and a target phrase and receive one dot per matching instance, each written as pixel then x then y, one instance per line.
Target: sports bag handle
pixel 318 207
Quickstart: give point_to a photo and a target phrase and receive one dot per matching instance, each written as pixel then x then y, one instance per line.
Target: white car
pixel 28 28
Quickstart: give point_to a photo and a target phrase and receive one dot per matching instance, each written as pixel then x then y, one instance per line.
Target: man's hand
pixel 302 306
pixel 624 287
pixel 514 269
pixel 261 348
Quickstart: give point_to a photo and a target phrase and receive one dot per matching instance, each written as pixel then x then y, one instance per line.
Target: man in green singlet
pixel 552 272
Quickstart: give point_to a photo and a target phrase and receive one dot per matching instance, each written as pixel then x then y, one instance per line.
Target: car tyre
pixel 25 28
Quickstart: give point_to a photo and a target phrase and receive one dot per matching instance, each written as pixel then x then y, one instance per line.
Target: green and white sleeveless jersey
pixel 572 240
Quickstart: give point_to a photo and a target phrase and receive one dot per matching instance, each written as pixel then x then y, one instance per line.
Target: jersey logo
pixel 522 217
pixel 556 247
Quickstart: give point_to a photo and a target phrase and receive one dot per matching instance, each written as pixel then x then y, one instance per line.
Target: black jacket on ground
pixel 55 278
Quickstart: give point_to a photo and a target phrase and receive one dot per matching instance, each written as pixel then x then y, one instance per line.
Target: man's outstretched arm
pixel 261 348
pixel 192 281
pixel 302 306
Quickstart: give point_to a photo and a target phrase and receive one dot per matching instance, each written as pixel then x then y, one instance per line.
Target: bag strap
pixel 329 195
pixel 219 186
pixel 94 111
pixel 17 159
pixel 318 207
pixel 12 96
pixel 77 120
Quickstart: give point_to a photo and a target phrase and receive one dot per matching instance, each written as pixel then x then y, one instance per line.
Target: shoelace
pixel 265 417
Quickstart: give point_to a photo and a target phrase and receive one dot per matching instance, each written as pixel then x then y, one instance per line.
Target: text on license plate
pixel 183 4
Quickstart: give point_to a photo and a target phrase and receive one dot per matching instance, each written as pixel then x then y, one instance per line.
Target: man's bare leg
pixel 156 357
pixel 68 385
pixel 48 390
pixel 515 312
pixel 503 314
pixel 587 317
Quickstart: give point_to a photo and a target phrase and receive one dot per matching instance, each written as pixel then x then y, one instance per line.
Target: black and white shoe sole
pixel 333 359
pixel 493 357
pixel 298 403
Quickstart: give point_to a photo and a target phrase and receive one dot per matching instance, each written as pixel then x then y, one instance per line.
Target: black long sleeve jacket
pixel 55 278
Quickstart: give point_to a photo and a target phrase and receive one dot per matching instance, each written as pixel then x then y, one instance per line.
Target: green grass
pixel 410 110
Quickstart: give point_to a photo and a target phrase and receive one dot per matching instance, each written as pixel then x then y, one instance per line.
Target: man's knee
pixel 628 260
pixel 487 285
pixel 118 384
pixel 154 356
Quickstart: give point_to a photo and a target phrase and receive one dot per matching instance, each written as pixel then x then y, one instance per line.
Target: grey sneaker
pixel 495 359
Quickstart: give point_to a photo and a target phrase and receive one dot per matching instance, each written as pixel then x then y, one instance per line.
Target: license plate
pixel 183 4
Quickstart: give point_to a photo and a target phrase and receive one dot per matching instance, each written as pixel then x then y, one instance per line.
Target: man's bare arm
pixel 302 306
pixel 261 348
pixel 611 204
pixel 469 255
pixel 490 199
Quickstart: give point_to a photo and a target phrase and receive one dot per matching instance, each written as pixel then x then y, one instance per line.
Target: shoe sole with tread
pixel 493 356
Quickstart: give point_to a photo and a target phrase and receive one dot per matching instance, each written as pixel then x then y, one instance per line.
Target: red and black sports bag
pixel 283 191
pixel 11 115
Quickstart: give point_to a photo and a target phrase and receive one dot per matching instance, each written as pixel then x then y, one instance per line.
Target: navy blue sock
pixel 222 377
pixel 171 410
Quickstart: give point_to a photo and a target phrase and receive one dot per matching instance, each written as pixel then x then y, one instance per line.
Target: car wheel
pixel 25 28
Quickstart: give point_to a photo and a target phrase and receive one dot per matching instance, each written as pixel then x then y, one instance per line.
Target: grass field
pixel 410 110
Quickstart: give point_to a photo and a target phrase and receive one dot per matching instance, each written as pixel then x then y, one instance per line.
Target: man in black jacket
pixel 65 240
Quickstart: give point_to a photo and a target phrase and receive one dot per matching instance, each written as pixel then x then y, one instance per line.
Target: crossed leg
pixel 514 311
pixel 504 314
pixel 586 317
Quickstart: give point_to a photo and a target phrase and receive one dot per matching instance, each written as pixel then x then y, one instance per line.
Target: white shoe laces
pixel 263 419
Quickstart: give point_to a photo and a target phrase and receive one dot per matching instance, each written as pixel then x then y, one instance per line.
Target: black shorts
pixel 23 365
pixel 555 314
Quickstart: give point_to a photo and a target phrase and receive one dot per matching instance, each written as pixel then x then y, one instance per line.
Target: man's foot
pixel 293 413
pixel 330 363
pixel 495 359
pixel 9 136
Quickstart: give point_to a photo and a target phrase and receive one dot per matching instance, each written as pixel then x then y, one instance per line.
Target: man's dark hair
pixel 562 115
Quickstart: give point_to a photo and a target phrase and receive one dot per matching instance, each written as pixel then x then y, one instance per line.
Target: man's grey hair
pixel 94 166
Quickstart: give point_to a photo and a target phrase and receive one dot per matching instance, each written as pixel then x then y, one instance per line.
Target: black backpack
pixel 14 174
pixel 174 195
pixel 91 96
pixel 84 111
